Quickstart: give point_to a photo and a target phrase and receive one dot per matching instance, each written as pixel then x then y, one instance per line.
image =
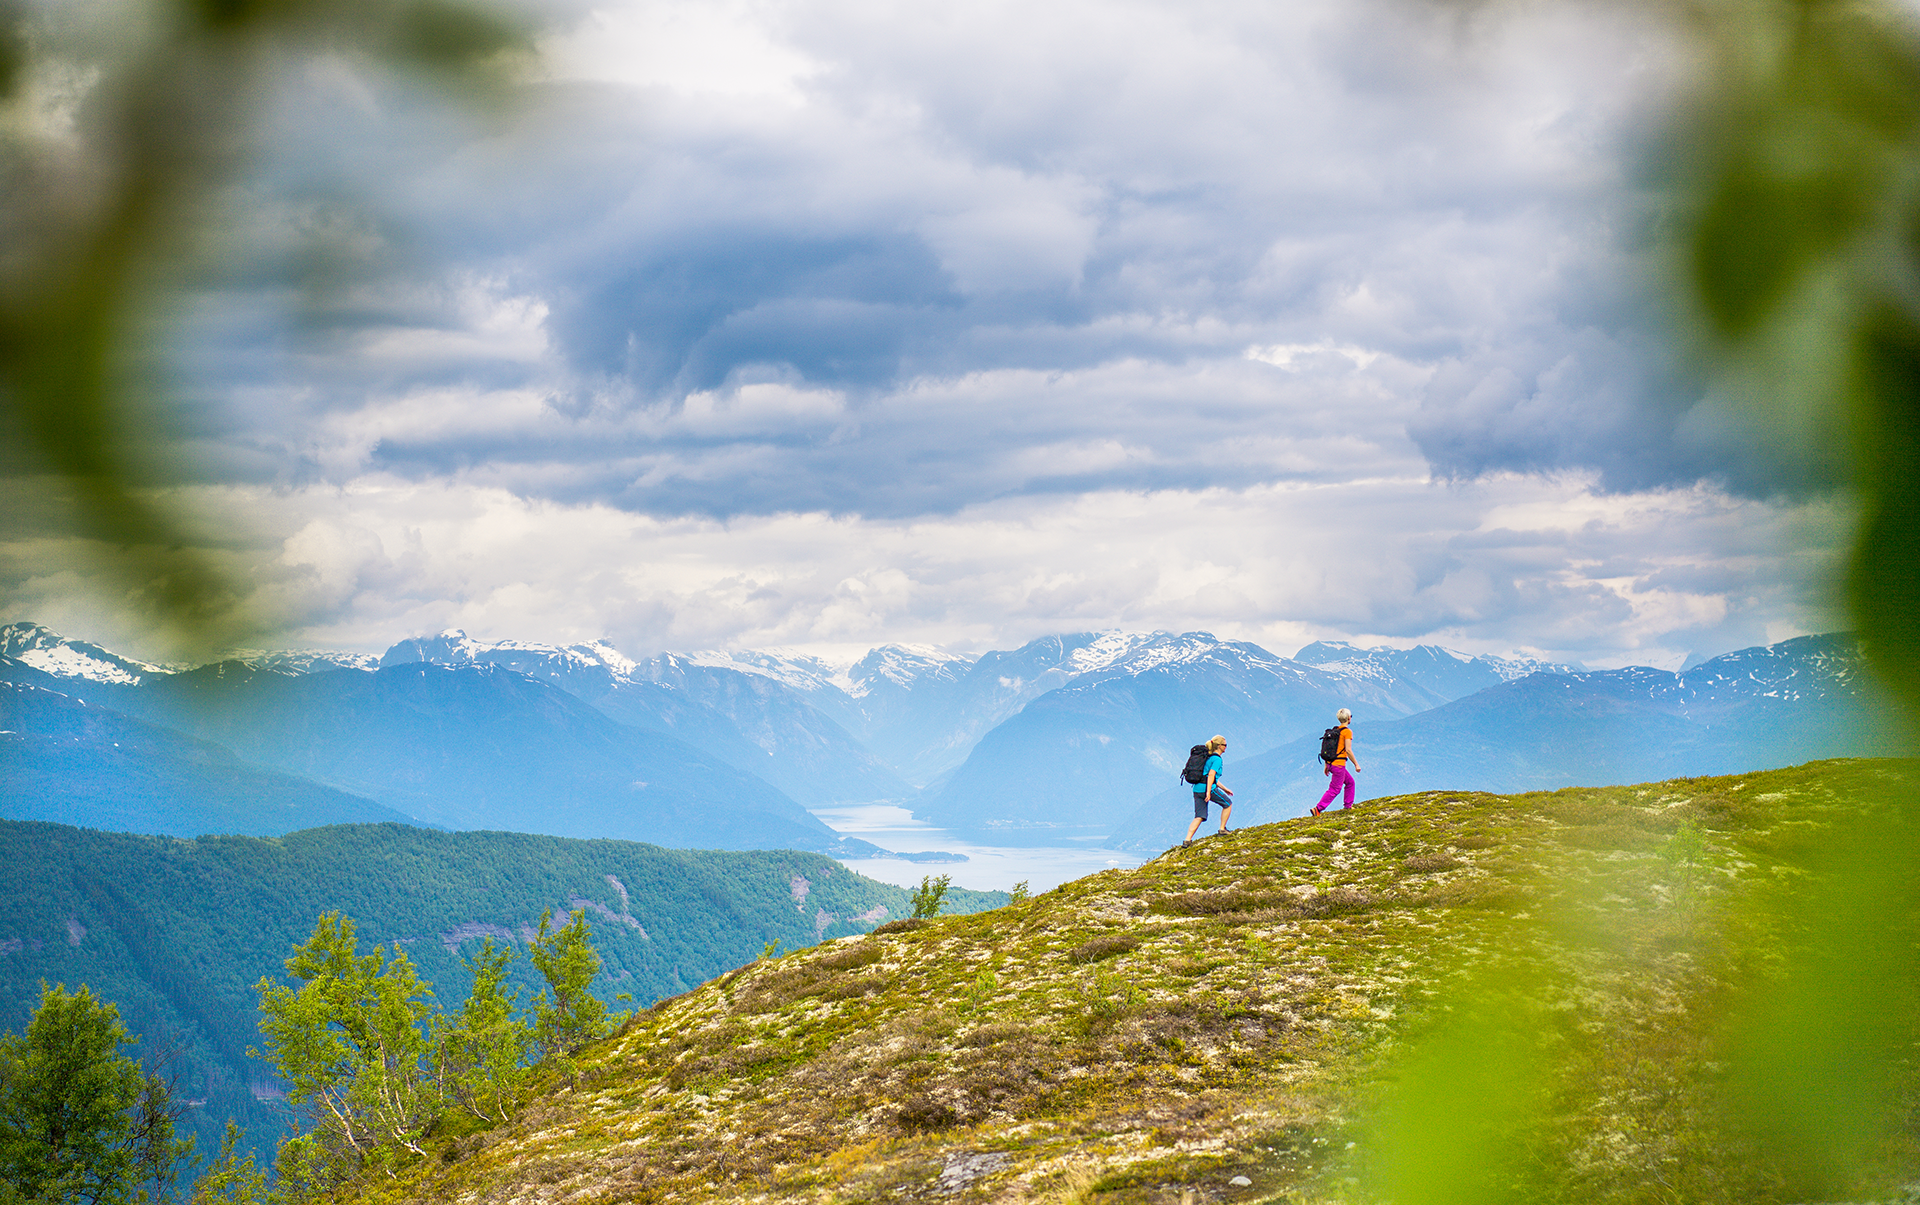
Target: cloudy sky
pixel 830 323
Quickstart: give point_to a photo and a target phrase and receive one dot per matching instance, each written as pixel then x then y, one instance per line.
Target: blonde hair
pixel 1343 715
pixel 1217 743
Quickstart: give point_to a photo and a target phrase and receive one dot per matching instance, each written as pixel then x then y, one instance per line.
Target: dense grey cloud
pixel 924 201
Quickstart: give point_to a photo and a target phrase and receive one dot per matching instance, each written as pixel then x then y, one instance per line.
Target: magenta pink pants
pixel 1340 778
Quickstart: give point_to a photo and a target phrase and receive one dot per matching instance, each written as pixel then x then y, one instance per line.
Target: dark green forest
pixel 177 932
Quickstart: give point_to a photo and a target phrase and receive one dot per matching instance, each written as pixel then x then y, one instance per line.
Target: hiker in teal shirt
pixel 1209 788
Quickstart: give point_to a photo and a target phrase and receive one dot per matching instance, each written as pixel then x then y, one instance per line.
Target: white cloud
pixel 704 47
pixel 1514 564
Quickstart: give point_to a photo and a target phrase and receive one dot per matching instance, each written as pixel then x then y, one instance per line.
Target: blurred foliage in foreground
pixel 1795 165
pixel 118 122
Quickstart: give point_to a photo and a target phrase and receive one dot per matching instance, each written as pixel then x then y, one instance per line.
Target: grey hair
pixel 1343 715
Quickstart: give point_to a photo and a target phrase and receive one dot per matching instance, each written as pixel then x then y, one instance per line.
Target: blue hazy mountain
pixel 753 722
pixel 65 761
pixel 1757 708
pixel 474 746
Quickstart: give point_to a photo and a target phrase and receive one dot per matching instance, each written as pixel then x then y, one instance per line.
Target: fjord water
pixel 987 868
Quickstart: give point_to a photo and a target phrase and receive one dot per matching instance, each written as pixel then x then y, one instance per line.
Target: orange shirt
pixel 1345 748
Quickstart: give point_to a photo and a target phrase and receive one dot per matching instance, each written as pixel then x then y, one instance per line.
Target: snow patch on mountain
pixel 455 647
pixel 304 661
pixel 905 665
pixel 51 653
pixel 1382 663
pixel 799 671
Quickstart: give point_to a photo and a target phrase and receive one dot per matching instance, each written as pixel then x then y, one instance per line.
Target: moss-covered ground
pixel 1227 1022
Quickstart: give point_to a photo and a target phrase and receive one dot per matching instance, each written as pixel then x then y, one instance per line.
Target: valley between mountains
pixel 1233 1022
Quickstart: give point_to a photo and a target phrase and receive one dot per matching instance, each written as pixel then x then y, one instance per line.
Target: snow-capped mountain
pixel 1443 673
pixel 304 661
pixel 50 652
pixel 754 721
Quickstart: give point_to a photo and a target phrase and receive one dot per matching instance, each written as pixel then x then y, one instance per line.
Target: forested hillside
pixel 177 932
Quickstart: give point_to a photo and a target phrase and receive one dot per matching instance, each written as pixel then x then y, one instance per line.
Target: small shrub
pixel 922 1114
pixel 853 958
pixel 1103 947
pixel 1340 901
pixel 849 987
pixel 984 987
pixel 904 925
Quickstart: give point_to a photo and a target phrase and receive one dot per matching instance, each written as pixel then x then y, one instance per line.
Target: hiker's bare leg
pixel 1224 813
pixel 1193 828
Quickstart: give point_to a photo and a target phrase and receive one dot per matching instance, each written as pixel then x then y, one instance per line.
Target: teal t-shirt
pixel 1216 766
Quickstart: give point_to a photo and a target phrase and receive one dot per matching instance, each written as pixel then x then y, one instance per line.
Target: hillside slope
pixel 1223 1023
pixel 177 932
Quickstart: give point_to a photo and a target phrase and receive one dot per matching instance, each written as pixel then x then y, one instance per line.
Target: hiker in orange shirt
pixel 1340 768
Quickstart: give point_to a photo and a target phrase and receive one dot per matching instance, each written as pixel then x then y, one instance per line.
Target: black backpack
pixel 1330 745
pixel 1196 771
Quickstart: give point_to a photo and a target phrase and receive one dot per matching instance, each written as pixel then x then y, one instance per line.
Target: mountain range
pixel 1757 708
pixel 1066 740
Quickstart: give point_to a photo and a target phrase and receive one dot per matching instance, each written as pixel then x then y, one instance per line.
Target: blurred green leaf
pixel 447 36
pixel 1884 578
pixel 1760 234
pixel 1812 160
pixel 1818 1053
pixel 1450 1134
pixel 13 50
pixel 170 120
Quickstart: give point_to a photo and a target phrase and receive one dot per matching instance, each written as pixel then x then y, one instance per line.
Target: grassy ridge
pixel 1234 1011
pixel 177 931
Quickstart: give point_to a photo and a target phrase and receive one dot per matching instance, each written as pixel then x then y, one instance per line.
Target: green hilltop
pixel 1230 1022
pixel 177 931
